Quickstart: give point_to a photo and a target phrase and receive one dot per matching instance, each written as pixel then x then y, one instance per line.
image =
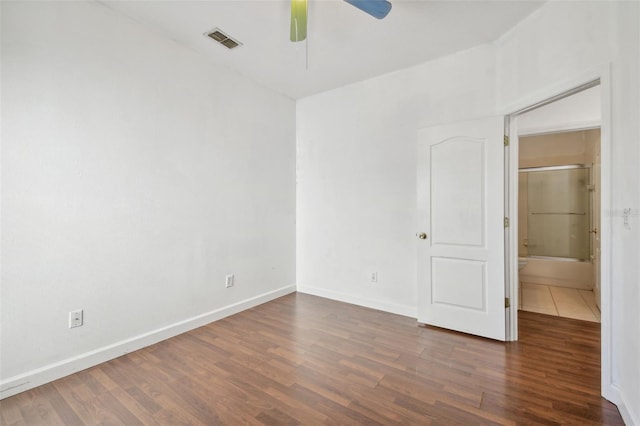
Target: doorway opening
pixel 558 193
pixel 554 191
pixel 556 187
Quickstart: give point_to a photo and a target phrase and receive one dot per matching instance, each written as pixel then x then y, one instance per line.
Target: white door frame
pixel 554 92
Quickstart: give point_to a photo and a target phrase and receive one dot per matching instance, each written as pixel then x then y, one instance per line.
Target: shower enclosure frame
pixel 590 202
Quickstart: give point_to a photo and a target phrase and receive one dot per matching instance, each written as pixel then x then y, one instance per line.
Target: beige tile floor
pixel 559 301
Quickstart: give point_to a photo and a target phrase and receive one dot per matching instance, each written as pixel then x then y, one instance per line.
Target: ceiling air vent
pixel 223 39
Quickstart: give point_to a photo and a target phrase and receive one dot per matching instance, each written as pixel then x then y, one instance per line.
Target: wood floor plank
pixel 10 414
pixel 304 360
pixel 62 409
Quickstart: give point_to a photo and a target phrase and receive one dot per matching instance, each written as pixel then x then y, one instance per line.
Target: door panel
pixel 460 208
pixel 457 192
pixel 470 276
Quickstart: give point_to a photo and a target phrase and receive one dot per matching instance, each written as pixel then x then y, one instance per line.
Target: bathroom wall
pixel 558 149
pixel 554 149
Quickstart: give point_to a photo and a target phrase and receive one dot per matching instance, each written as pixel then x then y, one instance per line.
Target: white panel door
pixel 461 227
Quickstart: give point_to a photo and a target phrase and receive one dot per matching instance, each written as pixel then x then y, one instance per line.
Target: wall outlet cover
pixel 76 318
pixel 229 281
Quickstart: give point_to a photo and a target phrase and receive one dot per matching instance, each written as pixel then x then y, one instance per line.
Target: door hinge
pixel 506 222
pixel 506 140
pixel 507 302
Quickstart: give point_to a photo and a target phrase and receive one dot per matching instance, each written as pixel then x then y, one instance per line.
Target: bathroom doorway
pixel 554 198
pixel 558 189
pixel 583 103
pixel 554 190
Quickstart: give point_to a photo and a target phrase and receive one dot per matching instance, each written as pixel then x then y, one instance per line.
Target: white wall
pixel 579 111
pixel 356 164
pixel 135 175
pixel 560 42
pixel 626 194
pixel 356 192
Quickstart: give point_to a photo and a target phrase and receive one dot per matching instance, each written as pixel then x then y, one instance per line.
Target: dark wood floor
pixel 306 360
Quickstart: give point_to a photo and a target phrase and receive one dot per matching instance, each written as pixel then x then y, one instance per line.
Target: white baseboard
pixel 407 311
pixel 51 372
pixel 629 417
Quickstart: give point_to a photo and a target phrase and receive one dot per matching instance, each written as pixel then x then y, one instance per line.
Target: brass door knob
pixel 422 236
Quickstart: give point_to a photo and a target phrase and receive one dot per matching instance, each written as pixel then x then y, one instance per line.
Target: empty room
pixel 320 212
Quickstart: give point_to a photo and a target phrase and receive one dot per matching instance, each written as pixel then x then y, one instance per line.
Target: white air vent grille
pixel 222 38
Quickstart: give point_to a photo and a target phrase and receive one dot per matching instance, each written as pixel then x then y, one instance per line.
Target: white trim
pixel 51 372
pixel 605 234
pixel 627 415
pixel 621 404
pixel 404 310
pixel 574 127
pixel 508 267
pixel 512 248
pixel 553 90
pixel 603 73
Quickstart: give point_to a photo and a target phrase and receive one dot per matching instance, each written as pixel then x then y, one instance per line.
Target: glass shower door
pixel 559 213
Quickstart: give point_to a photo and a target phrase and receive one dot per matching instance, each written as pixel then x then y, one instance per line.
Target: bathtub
pixel 561 273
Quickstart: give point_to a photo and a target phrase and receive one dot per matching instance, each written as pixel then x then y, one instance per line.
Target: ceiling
pixel 344 45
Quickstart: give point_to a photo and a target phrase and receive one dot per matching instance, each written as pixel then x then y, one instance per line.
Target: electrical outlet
pixel 373 277
pixel 229 280
pixel 76 318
